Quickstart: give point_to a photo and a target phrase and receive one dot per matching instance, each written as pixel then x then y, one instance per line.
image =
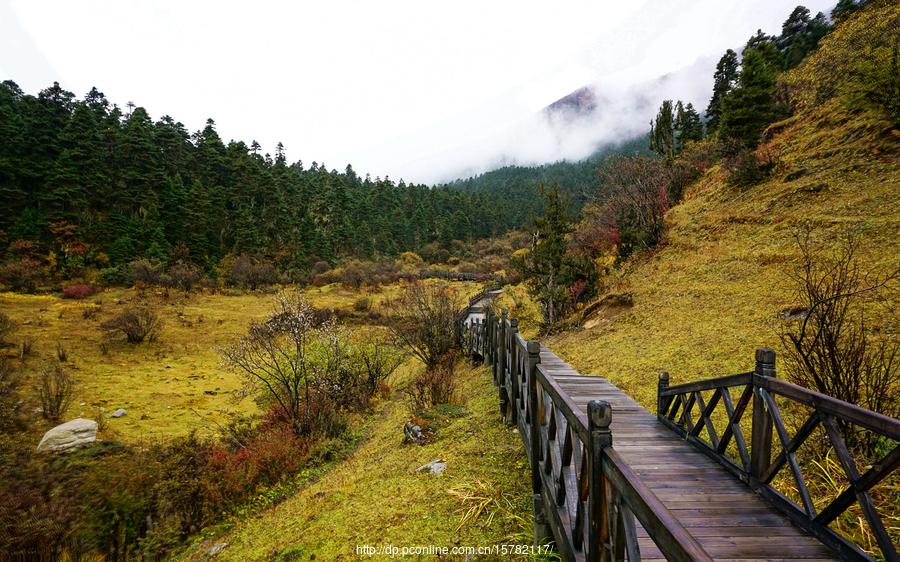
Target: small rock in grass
pixel 412 433
pixel 216 549
pixel 435 467
pixel 118 413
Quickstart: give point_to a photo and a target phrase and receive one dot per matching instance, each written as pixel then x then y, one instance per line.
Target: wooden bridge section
pixel 612 481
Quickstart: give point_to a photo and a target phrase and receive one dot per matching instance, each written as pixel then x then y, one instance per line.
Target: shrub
pixel 143 271
pixel 184 276
pixel 7 327
pixel 251 272
pixel 137 323
pixel 745 169
pixel 831 347
pixel 634 199
pixel 23 275
pixel 353 274
pixel 27 347
pixel 109 276
pixel 422 321
pixel 90 312
pixel 55 391
pixel 433 386
pixel 78 291
pixel 10 404
pixel 362 304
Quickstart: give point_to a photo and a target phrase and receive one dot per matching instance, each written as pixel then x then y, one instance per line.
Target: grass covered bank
pixel 376 496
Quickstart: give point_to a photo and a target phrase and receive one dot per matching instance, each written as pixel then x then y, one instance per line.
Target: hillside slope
pixel 705 301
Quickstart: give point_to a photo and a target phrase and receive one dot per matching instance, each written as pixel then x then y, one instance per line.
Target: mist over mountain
pixel 593 118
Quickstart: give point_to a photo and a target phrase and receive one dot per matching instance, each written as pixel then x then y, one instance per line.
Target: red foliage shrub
pixel 78 291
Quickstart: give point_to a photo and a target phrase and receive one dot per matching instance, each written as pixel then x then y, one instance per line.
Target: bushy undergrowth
pixel 78 291
pixel 126 502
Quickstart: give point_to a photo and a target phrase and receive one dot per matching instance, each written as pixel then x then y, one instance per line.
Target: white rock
pixel 216 549
pixel 70 435
pixel 435 467
pixel 118 413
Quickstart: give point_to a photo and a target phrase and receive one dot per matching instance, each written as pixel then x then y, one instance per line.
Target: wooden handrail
pixel 585 495
pixel 677 406
pixel 657 520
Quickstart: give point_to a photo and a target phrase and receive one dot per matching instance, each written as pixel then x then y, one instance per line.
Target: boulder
pixel 118 413
pixel 70 435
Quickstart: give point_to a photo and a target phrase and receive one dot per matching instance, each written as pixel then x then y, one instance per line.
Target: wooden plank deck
pixel 729 520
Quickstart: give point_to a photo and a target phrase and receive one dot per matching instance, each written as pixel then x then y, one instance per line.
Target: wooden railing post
pixel 542 532
pixel 500 364
pixel 488 338
pixel 513 359
pixel 661 401
pixel 599 541
pixel 761 429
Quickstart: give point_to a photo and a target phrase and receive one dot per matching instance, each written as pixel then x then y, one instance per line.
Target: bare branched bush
pixel 832 348
pixel 7 328
pixel 55 391
pixel 423 319
pixel 634 200
pixel 143 272
pixel 10 405
pixel 136 323
pixel 434 386
pixel 252 272
pixel 183 275
pixel 308 369
pixel 275 356
pixel 27 348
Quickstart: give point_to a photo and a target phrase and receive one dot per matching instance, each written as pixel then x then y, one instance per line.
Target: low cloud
pixel 576 126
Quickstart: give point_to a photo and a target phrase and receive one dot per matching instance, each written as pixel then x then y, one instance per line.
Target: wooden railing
pixel 457 275
pixel 758 392
pixel 584 494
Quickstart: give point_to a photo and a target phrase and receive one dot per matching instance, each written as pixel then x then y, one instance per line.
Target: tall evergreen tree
pixel 687 124
pixel 662 132
pixel 751 106
pixel 723 81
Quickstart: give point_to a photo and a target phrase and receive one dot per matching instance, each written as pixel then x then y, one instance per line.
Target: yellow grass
pixel 376 497
pixel 169 387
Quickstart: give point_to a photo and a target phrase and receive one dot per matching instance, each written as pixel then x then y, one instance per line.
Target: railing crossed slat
pixel 758 469
pixel 584 493
pixel 588 496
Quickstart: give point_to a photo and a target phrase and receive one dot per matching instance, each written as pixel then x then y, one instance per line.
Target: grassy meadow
pixel 169 387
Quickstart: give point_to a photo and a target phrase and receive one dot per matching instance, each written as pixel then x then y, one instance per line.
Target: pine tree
pixel 843 9
pixel 750 107
pixel 689 124
pixel 723 81
pixel 662 132
pixel 800 34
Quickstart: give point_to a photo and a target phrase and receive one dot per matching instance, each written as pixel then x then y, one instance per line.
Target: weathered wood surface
pixel 728 520
pixel 612 482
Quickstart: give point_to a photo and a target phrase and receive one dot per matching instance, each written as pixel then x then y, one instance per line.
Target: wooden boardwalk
pixel 612 481
pixel 727 518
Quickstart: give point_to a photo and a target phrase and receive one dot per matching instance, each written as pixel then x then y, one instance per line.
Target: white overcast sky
pixel 416 89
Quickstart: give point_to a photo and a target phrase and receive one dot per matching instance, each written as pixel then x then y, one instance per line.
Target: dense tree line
pixel 85 184
pixel 520 186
